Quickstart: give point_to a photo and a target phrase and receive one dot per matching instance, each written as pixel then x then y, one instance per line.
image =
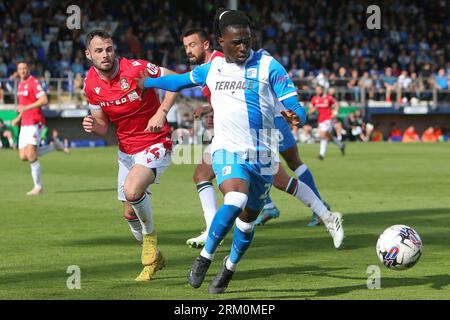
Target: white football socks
pixel 306 195
pixel 323 147
pixel 205 254
pixel 136 228
pixel 143 211
pixel 207 197
pixel 36 173
pixel 230 265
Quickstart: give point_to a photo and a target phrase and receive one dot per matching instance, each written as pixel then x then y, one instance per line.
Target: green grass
pixel 77 221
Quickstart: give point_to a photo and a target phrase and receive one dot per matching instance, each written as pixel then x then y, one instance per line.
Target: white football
pixel 399 247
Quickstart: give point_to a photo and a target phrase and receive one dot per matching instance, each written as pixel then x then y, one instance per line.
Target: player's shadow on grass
pixel 373 219
pixel 373 223
pixel 87 190
pixel 410 217
pixel 438 282
pixel 125 271
pixel 100 241
pixel 312 270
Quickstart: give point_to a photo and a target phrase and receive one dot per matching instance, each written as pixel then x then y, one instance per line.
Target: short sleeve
pixel 280 81
pixel 92 103
pixel 152 70
pixel 199 74
pixel 38 91
pixel 332 101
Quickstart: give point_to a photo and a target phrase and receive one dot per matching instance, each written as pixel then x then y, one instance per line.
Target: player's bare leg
pixel 29 153
pixel 203 177
pixel 138 180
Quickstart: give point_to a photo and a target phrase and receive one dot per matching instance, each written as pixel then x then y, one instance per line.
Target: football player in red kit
pixel 141 128
pixel 32 98
pixel 324 103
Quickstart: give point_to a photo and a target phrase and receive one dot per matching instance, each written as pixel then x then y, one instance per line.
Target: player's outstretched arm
pixel 295 114
pixel 172 83
pixel 157 122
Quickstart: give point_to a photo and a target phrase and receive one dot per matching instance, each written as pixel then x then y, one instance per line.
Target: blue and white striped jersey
pixel 244 99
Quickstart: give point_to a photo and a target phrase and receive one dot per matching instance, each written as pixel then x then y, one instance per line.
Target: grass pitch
pixel 78 221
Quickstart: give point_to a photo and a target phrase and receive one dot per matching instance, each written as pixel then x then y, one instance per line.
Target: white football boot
pixel 198 242
pixel 335 228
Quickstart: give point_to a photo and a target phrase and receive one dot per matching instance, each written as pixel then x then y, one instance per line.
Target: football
pixel 399 247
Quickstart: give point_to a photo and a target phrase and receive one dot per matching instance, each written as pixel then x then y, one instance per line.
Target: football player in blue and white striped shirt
pixel 245 86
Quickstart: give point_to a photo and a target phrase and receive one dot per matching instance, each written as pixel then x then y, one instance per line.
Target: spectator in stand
pixel 6 136
pixel 441 81
pixel 378 86
pixel 389 82
pixel 78 92
pixel 377 135
pixel 404 86
pixel 429 135
pixel 306 135
pixel 3 68
pixel 410 135
pixel 353 127
pixel 353 86
pixel 445 133
pixel 342 82
pixel 2 94
pixel 395 134
pixel 311 38
pixel 416 87
pixel 366 84
pixel 438 132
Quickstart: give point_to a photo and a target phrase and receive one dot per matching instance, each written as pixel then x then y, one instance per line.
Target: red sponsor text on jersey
pixel 120 99
pixel 28 92
pixel 324 107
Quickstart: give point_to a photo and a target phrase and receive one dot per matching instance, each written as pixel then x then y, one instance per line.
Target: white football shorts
pixel 154 157
pixel 326 126
pixel 30 134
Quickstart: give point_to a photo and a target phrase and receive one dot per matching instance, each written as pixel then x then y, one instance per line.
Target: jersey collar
pixel 250 56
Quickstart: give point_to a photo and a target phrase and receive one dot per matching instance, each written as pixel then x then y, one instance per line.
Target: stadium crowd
pixel 320 42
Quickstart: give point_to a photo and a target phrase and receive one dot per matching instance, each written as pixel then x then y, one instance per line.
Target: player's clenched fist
pixel 88 124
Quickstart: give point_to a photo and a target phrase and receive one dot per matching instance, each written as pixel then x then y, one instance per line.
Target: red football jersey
pixel 120 100
pixel 205 90
pixel 28 92
pixel 324 107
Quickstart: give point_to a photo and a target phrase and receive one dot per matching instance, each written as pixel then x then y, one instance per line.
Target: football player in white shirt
pixel 244 87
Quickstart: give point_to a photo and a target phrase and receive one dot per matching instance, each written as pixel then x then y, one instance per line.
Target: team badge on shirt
pixel 124 84
pixel 252 72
